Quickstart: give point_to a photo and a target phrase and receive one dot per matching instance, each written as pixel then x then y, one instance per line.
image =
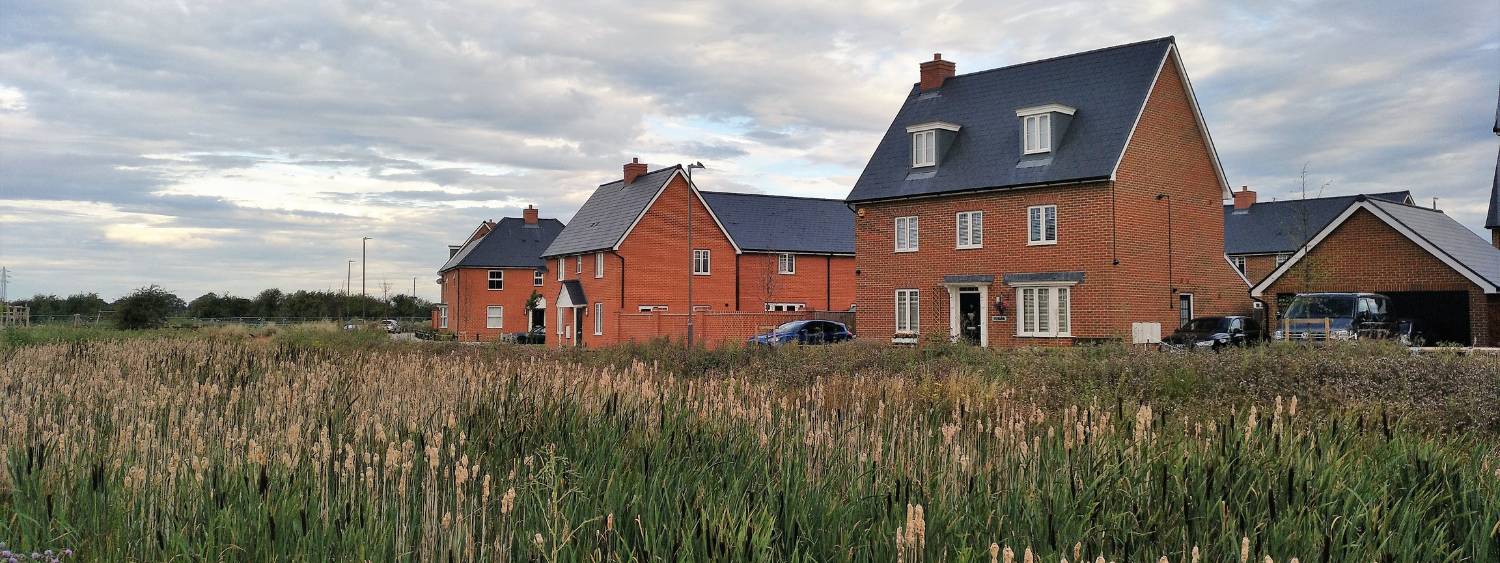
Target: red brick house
pixel 1436 271
pixel 624 263
pixel 1261 235
pixel 1073 198
pixel 489 279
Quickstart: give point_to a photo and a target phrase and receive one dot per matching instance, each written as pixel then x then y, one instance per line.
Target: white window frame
pixel 924 148
pixel 1281 258
pixel 968 229
pixel 598 319
pixel 494 316
pixel 1041 211
pixel 906 228
pixel 705 258
pixel 442 316
pixel 598 264
pixel 785 307
pixel 579 268
pixel 786 263
pixel 1041 125
pixel 1238 262
pixel 1192 308
pixel 560 268
pixel 908 311
pixel 538 278
pixel 561 318
pixel 496 276
pixel 650 308
pixel 1052 318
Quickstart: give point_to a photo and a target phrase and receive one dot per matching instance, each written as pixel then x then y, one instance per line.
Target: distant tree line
pixel 156 303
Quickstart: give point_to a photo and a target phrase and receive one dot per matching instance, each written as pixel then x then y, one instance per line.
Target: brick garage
pixel 1139 221
pixel 1406 252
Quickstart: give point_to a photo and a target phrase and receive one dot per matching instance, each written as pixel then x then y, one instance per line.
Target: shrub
pixel 148 307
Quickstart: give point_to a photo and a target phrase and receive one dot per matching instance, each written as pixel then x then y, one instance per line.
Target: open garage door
pixel 1441 316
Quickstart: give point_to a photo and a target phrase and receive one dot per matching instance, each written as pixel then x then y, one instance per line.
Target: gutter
pixel 965 191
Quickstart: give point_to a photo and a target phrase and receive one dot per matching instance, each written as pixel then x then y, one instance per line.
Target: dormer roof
pixel 1107 89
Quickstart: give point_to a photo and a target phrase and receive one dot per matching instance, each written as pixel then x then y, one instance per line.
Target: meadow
pixel 308 445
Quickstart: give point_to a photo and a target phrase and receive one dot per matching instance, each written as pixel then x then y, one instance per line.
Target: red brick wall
pixel 712 329
pixel 1259 266
pixel 467 294
pixel 824 283
pixel 1166 155
pixel 1341 262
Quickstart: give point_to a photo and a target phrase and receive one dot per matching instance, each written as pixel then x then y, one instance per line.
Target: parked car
pixel 1215 333
pixel 537 335
pixel 391 326
pixel 804 332
pixel 1336 316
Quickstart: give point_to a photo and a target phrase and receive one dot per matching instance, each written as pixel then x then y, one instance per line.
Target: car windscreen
pixel 1321 306
pixel 790 326
pixel 1207 324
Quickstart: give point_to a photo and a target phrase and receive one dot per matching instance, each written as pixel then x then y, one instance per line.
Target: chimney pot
pixel 935 72
pixel 1244 198
pixel 634 169
pixel 530 214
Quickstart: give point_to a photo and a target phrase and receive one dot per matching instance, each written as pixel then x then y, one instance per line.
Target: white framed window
pixel 598 264
pixel 1037 133
pixel 579 268
pixel 536 278
pixel 786 263
pixel 1239 263
pixel 1044 311
pixel 494 316
pixel 650 308
pixel 701 308
pixel 700 262
pixel 908 311
pixel 923 148
pixel 442 316
pixel 970 229
pixel 783 307
pixel 1184 308
pixel 906 234
pixel 598 319
pixel 1282 258
pixel 560 316
pixel 559 268
pixel 1042 224
pixel 497 280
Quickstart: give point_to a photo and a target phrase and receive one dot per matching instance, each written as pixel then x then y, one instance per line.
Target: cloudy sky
pixel 237 145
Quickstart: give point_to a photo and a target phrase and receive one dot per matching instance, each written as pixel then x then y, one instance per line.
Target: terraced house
pixel 648 248
pixel 1073 198
pixel 1261 235
pixel 488 280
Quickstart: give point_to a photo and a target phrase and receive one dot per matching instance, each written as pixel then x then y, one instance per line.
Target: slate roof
pixel 608 213
pixel 1107 87
pixel 574 295
pixel 1449 236
pixel 1284 226
pixel 511 244
pixel 771 223
pixel 1493 220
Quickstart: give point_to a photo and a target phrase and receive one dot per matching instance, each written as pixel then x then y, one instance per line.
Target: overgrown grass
pixel 242 448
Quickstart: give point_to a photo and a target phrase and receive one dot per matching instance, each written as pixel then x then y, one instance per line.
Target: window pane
pixel 911 233
pixel 913 316
pixel 1043 310
pixel 1028 310
pixel 1030 124
pixel 494 316
pixel 976 228
pixel 1035 221
pixel 900 233
pixel 963 229
pixel 1051 223
pixel 1044 132
pixel 1063 324
pixel 900 311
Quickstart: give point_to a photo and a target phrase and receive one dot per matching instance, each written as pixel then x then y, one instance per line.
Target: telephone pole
pixel 362 294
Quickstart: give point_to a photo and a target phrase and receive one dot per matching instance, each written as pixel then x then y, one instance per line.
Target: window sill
pixel 1041 243
pixel 905 251
pixel 904 339
pixel 786 273
pixel 701 273
pixel 1068 335
pixel 969 247
pixel 1036 151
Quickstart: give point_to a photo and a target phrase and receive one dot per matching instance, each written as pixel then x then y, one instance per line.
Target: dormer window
pixel 1041 126
pixel 1038 133
pixel 929 141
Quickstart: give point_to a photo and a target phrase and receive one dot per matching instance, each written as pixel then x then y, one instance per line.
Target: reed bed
pixel 258 450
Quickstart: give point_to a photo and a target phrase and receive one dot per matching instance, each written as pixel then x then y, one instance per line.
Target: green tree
pixel 147 307
pixel 268 303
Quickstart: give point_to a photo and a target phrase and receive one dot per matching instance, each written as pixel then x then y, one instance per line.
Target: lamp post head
pixel 1160 197
pixel 698 165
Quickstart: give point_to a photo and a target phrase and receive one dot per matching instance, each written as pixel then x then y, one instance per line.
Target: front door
pixel 578 326
pixel 968 316
pixel 538 319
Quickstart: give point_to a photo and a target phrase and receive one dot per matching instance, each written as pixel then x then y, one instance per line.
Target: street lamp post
pixel 362 295
pixel 692 259
pixel 1171 284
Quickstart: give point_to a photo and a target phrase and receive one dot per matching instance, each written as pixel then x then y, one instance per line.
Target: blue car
pixel 805 332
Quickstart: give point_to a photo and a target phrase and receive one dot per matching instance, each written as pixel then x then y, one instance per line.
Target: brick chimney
pixel 634 169
pixel 935 71
pixel 1244 198
pixel 530 214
